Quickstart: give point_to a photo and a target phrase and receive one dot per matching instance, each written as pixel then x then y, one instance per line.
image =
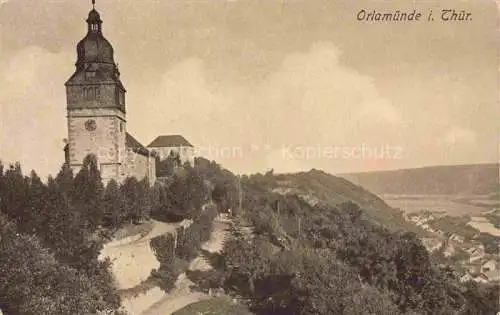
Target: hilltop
pixel 334 190
pixel 318 186
pixel 312 243
pixel 472 179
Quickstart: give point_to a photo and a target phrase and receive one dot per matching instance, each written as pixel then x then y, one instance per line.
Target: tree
pixel 166 167
pixel 185 194
pixel 65 181
pixel 113 206
pixel 370 301
pixel 88 192
pixel 130 192
pixel 33 282
pixel 33 211
pixel 15 188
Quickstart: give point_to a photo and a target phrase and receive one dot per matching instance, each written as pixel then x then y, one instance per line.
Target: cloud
pixel 32 121
pixel 459 136
pixel 312 99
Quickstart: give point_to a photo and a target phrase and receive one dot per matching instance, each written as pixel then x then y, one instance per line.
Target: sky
pixel 258 85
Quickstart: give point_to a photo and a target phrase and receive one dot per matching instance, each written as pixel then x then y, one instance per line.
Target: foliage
pixel 225 184
pixel 206 280
pixel 455 225
pixel 494 218
pixel 42 284
pixel 215 306
pixel 183 196
pixel 166 275
pixel 489 241
pixel 164 249
pixel 65 217
pixel 190 240
pixel 319 258
pixel 167 166
pixel 173 257
pixel 137 200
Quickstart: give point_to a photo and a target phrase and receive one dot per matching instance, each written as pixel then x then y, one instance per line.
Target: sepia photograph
pixel 249 157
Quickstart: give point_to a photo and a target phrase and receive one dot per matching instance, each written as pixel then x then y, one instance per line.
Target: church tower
pixel 96 105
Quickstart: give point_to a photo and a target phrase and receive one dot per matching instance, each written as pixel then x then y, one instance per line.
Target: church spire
pixel 94 20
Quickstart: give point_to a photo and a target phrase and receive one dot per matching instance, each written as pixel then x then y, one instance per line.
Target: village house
pixel 491 276
pixel 432 244
pixel 466 277
pixel 481 278
pixel 489 265
pixel 414 218
pixel 457 238
pixel 476 252
pixel 449 250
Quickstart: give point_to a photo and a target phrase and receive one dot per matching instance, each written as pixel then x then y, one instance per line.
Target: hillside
pixel 298 246
pixel 319 186
pixel 473 179
pixel 294 245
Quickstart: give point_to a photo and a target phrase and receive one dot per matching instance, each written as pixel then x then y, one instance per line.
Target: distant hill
pixel 473 179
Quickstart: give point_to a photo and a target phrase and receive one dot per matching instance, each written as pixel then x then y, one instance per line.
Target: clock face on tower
pixel 90 125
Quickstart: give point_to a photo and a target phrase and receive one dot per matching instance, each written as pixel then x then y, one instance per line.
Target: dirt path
pixel 134 260
pixel 182 295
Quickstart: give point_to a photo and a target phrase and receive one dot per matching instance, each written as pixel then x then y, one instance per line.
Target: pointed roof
pixel 95 54
pixel 136 146
pixel 168 141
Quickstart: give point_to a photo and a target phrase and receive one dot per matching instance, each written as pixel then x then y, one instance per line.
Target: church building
pixel 96 112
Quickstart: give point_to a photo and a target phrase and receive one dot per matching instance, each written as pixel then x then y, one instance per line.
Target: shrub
pixel 167 274
pixel 33 282
pixel 163 247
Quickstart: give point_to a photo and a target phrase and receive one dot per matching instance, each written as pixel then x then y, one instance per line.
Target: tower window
pixel 120 97
pixel 91 93
pixel 89 74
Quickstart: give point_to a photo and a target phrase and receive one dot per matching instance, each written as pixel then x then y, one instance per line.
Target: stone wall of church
pixel 106 141
pixel 139 166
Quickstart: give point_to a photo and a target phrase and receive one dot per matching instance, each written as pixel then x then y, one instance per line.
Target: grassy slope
pixel 474 179
pixel 335 190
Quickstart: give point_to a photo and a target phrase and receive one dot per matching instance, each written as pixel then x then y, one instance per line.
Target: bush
pixel 167 275
pixel 170 267
pixel 33 282
pixel 206 280
pixel 183 197
pixel 190 240
pixel 163 246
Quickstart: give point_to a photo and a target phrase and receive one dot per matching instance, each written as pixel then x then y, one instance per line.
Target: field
pixel 482 224
pixel 478 212
pixel 447 204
